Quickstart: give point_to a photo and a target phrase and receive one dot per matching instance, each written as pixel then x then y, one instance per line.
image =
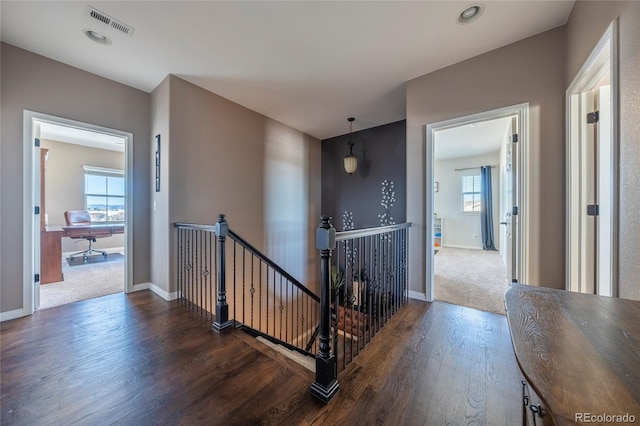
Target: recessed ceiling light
pixel 97 37
pixel 470 14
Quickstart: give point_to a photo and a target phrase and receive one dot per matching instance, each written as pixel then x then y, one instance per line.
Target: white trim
pixel 29 267
pixel 462 247
pixel 106 170
pixel 520 110
pixel 418 296
pixel 603 60
pixel 162 293
pixel 9 315
pixel 302 337
pixel 140 287
pixel 29 218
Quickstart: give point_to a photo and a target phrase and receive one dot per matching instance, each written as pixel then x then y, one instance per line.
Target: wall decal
pixel 388 199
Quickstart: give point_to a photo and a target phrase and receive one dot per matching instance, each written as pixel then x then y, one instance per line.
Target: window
pixel 471 194
pixel 104 194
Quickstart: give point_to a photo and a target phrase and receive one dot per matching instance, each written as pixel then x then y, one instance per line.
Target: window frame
pixel 463 193
pixel 106 172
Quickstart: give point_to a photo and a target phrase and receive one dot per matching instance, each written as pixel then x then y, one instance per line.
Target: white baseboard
pixel 462 247
pixel 162 293
pixel 304 337
pixel 141 286
pixel 17 313
pixel 418 296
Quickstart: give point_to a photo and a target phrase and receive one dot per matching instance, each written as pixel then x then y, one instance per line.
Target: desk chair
pixel 79 218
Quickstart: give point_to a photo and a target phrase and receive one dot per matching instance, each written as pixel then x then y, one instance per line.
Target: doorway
pixel 472 171
pixel 592 172
pixel 45 134
pixel 511 171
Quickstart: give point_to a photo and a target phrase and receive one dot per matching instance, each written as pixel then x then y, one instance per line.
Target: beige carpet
pixel 472 278
pixel 83 282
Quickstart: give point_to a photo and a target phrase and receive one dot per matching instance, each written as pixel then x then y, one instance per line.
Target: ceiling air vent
pixel 102 17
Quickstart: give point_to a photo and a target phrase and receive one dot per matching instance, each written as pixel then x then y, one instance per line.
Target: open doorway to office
pixel 75 167
pixel 475 175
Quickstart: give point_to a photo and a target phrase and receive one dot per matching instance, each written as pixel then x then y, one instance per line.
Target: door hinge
pixel 593 117
pixel 514 212
pixel 36 210
pixel 593 210
pixel 514 138
pixel 36 278
pixel 37 142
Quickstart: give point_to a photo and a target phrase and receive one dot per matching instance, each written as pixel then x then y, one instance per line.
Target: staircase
pixel 233 284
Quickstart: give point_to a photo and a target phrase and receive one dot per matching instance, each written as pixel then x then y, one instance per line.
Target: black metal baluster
pixel 252 290
pixel 191 269
pixel 179 265
pixel 210 261
pixel 198 272
pixel 281 307
pixel 259 295
pixel 267 301
pixel 214 286
pixel 286 312
pixel 244 276
pixel 234 280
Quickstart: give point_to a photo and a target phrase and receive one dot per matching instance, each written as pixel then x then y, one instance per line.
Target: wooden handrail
pixel 366 232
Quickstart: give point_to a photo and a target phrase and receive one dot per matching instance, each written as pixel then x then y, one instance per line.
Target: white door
pixel 511 211
pixel 591 238
pixel 588 177
pixel 37 158
pixel 604 282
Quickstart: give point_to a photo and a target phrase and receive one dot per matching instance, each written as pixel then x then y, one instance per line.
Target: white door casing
pixel 520 226
pixel 592 172
pixel 31 198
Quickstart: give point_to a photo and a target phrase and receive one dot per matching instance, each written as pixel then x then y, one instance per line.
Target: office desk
pixel 51 255
pixel 97 230
pixel 51 246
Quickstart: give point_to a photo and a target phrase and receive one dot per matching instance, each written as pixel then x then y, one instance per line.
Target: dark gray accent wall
pixel 381 153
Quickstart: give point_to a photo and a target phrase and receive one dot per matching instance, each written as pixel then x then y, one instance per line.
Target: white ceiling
pixel 470 140
pixel 308 64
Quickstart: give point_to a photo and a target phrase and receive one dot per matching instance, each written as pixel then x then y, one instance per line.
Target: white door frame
pixel 31 194
pixel 522 111
pixel 602 61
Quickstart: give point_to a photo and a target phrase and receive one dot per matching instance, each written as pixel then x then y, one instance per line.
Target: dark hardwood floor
pixel 138 360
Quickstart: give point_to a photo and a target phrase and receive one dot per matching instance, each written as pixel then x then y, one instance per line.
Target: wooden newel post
pixel 326 384
pixel 222 309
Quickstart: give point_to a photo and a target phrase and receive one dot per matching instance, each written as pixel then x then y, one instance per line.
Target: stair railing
pixel 367 286
pixel 266 300
pixel 236 284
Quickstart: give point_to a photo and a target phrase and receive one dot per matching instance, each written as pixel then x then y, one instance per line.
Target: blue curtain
pixel 486 208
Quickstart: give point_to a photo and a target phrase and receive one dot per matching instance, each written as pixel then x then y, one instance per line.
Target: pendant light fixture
pixel 350 160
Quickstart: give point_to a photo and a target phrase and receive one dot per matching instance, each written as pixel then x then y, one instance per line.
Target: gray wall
pixel 531 70
pixel 587 23
pixel 35 83
pixel 224 158
pixel 381 155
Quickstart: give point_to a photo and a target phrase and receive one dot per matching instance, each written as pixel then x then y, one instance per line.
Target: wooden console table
pixel 579 352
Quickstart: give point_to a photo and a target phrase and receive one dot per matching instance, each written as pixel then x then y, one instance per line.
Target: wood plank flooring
pixel 138 360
